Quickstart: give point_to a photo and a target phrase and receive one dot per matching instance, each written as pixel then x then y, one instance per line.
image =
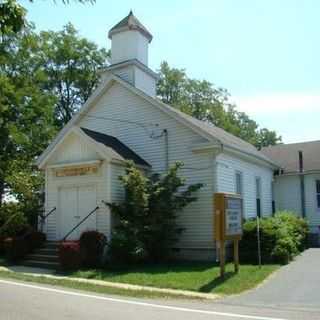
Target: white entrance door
pixel 75 204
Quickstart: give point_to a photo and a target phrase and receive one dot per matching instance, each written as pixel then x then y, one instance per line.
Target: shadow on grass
pixel 216 282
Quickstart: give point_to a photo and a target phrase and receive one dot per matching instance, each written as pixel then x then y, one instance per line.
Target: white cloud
pixel 278 103
pixel 294 116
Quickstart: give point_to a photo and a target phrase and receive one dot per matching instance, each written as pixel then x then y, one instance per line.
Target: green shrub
pixel 15 248
pixel 91 248
pixel 283 236
pixel 12 220
pixel 2 249
pixel 147 225
pixel 126 248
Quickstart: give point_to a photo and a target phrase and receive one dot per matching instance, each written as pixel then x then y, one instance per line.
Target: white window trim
pixel 316 197
pixel 238 172
pixel 256 193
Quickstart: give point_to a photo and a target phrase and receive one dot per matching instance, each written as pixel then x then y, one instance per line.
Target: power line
pixel 140 124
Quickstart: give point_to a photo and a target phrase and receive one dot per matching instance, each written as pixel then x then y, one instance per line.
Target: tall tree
pixel 13 15
pixel 26 111
pixel 71 64
pixel 206 102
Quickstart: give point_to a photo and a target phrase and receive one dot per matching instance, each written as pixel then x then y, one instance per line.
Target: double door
pixel 76 203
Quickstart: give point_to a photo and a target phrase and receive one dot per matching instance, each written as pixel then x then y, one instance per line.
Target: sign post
pixel 228 225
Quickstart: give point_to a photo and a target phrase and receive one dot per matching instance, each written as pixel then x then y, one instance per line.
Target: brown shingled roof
pixel 130 22
pixel 287 155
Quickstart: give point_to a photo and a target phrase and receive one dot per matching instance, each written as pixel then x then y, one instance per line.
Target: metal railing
pixel 44 217
pixel 79 223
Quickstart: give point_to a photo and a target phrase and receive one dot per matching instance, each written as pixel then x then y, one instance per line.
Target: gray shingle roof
pixel 115 144
pixel 130 22
pixel 225 137
pixel 287 155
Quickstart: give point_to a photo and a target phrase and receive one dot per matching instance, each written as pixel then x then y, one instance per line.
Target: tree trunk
pixel 1 191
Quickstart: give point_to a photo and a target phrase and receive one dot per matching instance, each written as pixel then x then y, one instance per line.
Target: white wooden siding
pixel 288 197
pixel 312 212
pixel 117 191
pixel 144 122
pixel 144 82
pixel 287 193
pixel 74 150
pixel 226 168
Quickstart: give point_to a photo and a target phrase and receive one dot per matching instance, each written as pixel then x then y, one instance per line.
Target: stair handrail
pixel 44 217
pixel 79 223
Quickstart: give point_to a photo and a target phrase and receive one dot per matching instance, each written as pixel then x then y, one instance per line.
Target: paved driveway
pixel 295 286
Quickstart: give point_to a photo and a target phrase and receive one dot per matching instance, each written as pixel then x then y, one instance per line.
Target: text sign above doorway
pixel 76 171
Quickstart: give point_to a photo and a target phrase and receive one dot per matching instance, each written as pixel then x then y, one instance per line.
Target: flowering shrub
pixel 69 255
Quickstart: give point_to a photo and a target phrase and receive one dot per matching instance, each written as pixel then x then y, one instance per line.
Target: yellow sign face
pixel 77 171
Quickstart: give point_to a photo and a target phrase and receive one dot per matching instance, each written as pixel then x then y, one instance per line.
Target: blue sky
pixel 265 52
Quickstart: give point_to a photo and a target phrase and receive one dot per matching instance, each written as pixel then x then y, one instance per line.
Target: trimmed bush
pixel 15 248
pixel 35 239
pixel 2 249
pixel 69 255
pixel 91 248
pixel 125 249
pixel 282 238
pixel 12 220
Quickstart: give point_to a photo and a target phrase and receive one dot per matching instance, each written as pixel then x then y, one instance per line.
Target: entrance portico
pixel 80 177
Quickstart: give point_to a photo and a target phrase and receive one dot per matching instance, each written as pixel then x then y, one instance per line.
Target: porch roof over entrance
pixel 115 144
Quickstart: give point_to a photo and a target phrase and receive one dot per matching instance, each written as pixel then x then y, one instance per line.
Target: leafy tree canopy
pixel 44 78
pixel 13 15
pixel 71 65
pixel 202 100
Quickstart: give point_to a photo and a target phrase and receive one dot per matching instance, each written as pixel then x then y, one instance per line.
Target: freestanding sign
pixel 228 218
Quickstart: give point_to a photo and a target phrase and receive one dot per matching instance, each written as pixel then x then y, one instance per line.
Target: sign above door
pixel 77 171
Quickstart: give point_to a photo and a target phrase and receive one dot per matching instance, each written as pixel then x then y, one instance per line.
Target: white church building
pixel 123 119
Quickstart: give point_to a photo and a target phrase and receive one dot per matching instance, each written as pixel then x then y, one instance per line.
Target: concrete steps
pixel 45 257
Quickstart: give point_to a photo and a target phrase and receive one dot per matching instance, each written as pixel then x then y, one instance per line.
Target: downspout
pixel 302 185
pixel 166 142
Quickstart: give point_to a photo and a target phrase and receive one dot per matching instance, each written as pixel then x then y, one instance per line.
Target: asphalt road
pixel 292 293
pixel 295 286
pixel 25 301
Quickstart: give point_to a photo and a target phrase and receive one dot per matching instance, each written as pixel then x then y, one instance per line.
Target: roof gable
pixel 210 132
pixel 87 145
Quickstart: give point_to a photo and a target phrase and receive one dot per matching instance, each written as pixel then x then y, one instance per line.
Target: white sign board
pixel 233 217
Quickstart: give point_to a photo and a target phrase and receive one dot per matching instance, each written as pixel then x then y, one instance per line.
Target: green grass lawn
pixel 201 277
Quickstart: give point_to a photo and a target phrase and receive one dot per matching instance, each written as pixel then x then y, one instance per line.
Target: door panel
pixel 68 209
pixel 87 202
pixel 75 204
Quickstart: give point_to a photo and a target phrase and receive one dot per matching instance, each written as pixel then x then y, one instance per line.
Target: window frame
pixel 317 189
pixel 258 195
pixel 239 173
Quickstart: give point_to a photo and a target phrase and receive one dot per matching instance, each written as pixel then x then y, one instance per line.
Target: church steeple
pixel 129 40
pixel 129 54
